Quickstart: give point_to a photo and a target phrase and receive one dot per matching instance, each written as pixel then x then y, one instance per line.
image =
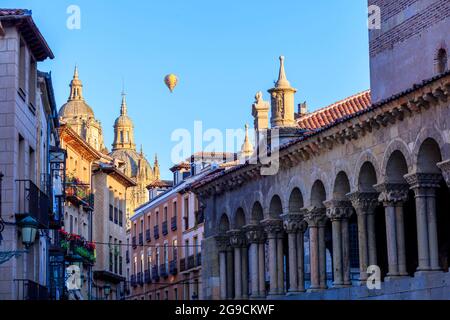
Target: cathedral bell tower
pixel 123 129
pixel 282 101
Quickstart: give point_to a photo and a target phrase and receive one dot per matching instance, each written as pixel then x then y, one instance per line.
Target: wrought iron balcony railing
pixel 32 202
pixel 147 276
pixel 173 223
pixel 163 270
pixel 182 264
pixel 148 237
pixel 191 262
pixel 80 194
pixel 173 268
pixel 155 273
pixel 164 228
pixel 141 239
pixel 133 242
pixel 30 290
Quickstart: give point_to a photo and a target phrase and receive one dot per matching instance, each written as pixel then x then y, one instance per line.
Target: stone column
pixel 365 204
pixel 222 244
pixel 253 235
pixel 262 268
pixel 293 223
pixel 424 185
pixel 301 256
pixel 237 242
pixel 244 253
pixel 273 227
pixel 393 195
pixel 315 218
pixel 230 273
pixel 338 211
pixel 280 262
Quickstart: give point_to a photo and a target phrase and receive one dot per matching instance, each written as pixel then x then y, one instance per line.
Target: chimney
pixel 302 109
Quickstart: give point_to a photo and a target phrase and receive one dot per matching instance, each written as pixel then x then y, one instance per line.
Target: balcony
pixel 182 264
pixel 173 267
pixel 191 262
pixel 140 279
pixel 133 242
pixel 163 270
pixel 133 280
pixel 76 246
pixel 156 232
pixel 155 273
pixel 32 202
pixel 148 238
pixel 79 194
pixel 30 290
pixel 147 276
pixel 141 239
pixel 164 228
pixel 173 223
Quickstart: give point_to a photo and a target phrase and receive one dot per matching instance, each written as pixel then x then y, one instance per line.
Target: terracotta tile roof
pixel 13 12
pixel 330 114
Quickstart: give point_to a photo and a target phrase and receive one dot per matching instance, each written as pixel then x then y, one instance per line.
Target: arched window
pixel 441 60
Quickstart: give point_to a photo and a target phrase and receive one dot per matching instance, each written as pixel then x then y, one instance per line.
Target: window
pixel 148 222
pixel 120 258
pixel 195 245
pixel 121 136
pixel 135 265
pixel 111 257
pixel 166 256
pixel 149 259
pixel 32 165
pixel 22 68
pixel 116 257
pixel 71 224
pixel 111 213
pixel 166 295
pixel 32 84
pixel 174 249
pixel 156 218
pixel 116 215
pixel 175 209
pixel 175 293
pixel 441 60
pixel 120 218
pixel 142 261
pixel 165 214
pixel 186 248
pixel 186 213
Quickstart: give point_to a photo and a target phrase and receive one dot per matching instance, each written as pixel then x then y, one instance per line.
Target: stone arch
pixel 430 134
pixel 239 218
pixel 274 191
pixel 295 201
pixel 396 168
pixel 319 175
pixel 224 223
pixel 294 182
pixel 318 194
pixel 367 177
pixel 341 186
pixel 344 166
pixel 396 145
pixel 429 155
pixel 257 213
pixel 365 157
pixel 275 207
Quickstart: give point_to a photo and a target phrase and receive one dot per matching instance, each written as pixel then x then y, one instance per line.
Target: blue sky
pixel 222 51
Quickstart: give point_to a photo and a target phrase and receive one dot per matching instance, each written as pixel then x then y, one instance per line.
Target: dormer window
pixel 441 61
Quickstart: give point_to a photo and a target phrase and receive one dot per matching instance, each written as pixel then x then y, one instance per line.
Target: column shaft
pixel 345 252
pixel 362 244
pixel 391 239
pixel 280 264
pixel 300 261
pixel 223 274
pixel 244 253
pixel 371 239
pixel 273 265
pixel 422 231
pixel 337 253
pixel 399 218
pixel 254 272
pixel 230 274
pixel 293 262
pixel 262 270
pixel 314 256
pixel 322 258
pixel 432 230
pixel 237 274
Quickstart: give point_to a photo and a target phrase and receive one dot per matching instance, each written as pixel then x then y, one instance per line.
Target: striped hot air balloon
pixel 171 81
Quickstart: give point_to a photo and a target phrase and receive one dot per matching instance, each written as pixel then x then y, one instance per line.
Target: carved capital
pixel 237 238
pixel 293 222
pixel 272 227
pixel 254 234
pixel 392 193
pixel 364 202
pixel 445 169
pixel 316 217
pixel 423 180
pixel 222 242
pixel 338 209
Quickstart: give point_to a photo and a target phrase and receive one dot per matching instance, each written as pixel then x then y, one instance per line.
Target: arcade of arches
pixel 377 195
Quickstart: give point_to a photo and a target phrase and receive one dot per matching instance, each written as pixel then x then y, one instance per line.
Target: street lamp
pixel 107 290
pixel 29 227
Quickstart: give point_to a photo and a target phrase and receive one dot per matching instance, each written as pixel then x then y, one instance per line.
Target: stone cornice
pixel 416 100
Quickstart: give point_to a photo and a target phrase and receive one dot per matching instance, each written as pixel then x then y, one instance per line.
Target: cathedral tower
pixel 123 129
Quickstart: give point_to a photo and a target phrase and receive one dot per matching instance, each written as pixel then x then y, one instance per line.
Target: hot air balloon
pixel 171 81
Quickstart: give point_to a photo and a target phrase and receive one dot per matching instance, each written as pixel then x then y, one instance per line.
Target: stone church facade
pixel 364 182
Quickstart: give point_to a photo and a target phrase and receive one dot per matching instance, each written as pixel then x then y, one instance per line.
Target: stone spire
pixel 123 129
pixel 156 172
pixel 247 147
pixel 282 101
pixel 76 87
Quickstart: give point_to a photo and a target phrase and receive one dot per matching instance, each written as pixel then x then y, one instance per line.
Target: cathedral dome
pixel 123 121
pixel 75 108
pixel 134 162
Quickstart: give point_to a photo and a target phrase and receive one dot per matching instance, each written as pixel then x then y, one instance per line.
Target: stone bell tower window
pixel 441 61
